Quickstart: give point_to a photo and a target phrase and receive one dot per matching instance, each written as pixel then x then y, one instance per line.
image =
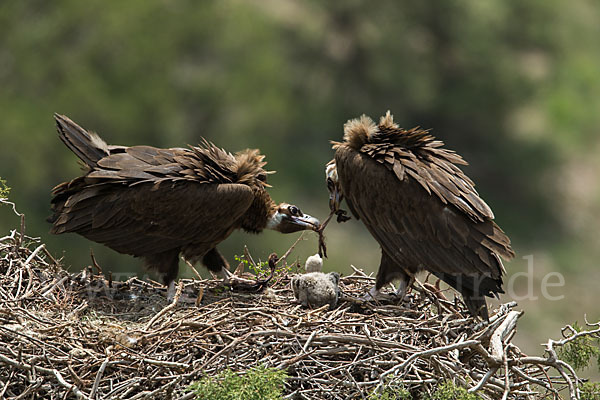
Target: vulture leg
pixel 167 265
pixel 215 262
pixel 401 290
pixel 476 305
pixel 171 291
pixel 473 290
pixel 371 294
pixel 388 271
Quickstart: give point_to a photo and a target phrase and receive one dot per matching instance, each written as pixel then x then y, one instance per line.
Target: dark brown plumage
pixel 157 203
pixel 421 208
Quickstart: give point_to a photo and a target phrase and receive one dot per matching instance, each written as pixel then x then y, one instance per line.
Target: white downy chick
pixel 316 289
pixel 314 263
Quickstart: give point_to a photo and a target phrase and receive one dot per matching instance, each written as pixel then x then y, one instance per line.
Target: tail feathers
pixel 474 288
pixel 88 146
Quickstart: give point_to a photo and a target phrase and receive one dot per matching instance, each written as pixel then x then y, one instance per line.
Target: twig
pixel 506 377
pixel 98 377
pixel 507 326
pixel 59 378
pixel 189 264
pixel 167 308
pixel 287 253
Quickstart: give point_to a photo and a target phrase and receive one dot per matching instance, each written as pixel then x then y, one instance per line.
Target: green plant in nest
pixel 258 383
pixel 4 189
pixel 580 351
pixel 449 391
pixel 590 391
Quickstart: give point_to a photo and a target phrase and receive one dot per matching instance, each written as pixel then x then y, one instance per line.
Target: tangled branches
pixel 85 336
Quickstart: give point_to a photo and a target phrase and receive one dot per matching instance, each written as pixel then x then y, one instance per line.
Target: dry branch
pixel 86 336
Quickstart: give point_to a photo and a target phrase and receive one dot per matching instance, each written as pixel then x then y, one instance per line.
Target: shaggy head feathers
pixel 250 165
pixel 245 166
pixel 358 131
pixel 387 121
pixel 363 130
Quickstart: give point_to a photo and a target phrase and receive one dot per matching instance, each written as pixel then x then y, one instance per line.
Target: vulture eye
pixel 295 211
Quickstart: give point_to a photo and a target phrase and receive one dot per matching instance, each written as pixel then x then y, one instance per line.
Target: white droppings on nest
pixel 316 289
pixel 314 263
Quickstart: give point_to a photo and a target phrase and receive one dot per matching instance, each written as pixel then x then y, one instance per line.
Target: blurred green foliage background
pixel 512 85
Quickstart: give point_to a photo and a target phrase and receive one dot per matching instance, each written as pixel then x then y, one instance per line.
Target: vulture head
pixel 333 185
pixel 287 218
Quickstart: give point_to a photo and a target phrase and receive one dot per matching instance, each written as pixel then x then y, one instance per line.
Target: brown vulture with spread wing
pixel 421 208
pixel 158 203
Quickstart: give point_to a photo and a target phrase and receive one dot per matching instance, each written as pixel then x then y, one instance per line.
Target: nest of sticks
pixel 65 335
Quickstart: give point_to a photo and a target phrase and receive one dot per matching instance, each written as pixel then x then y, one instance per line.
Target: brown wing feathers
pixel 424 212
pixel 152 202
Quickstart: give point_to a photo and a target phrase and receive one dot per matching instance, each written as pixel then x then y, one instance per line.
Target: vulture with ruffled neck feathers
pixel 159 203
pixel 420 207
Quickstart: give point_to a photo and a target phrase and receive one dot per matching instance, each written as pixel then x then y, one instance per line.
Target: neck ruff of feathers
pixel 363 131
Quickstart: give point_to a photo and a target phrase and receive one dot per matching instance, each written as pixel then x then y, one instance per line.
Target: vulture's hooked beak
pixel 335 195
pixel 288 218
pixel 335 198
pixel 333 186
